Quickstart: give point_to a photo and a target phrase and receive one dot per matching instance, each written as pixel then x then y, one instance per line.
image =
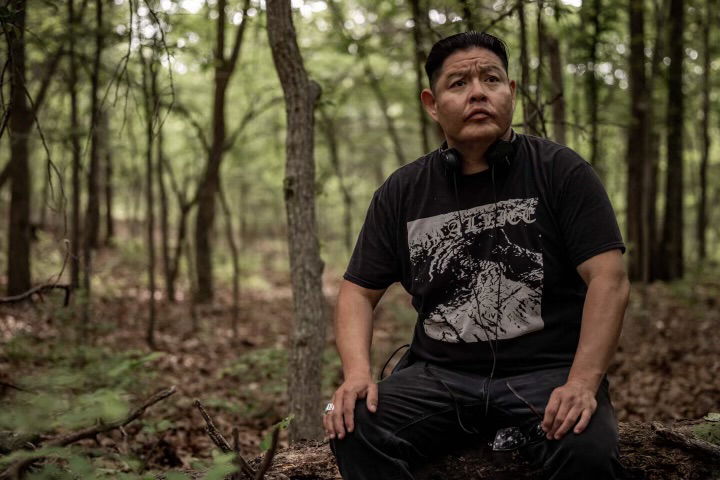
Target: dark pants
pixel 426 409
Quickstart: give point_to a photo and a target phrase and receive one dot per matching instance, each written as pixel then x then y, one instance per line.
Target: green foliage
pixel 282 425
pixel 222 465
pixel 709 430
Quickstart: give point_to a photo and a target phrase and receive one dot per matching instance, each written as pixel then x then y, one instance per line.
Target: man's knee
pixel 590 454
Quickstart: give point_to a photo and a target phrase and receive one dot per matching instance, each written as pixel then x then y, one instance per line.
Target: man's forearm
pixel 353 328
pixel 603 313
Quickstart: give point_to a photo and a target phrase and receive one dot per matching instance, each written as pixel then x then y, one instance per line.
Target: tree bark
pixel 164 214
pixel 637 144
pixel 311 316
pixel 420 56
pixel 672 245
pixel 702 216
pixel 207 191
pixel 19 124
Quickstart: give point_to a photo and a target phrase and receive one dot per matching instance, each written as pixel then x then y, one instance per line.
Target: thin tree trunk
pixel 419 61
pixel 20 125
pixel 541 46
pixel 557 89
pixel 224 68
pixel 311 316
pixel 92 217
pixel 467 14
pixel 164 215
pixel 529 113
pixel 108 179
pixel 702 217
pixel 149 77
pixel 637 143
pixel 593 14
pixel 328 128
pixel 651 262
pixel 235 254
pixel 672 252
pixel 92 212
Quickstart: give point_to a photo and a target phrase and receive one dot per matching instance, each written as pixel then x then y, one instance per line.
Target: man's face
pixel 473 99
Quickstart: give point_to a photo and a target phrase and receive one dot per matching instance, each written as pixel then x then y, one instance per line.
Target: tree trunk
pixel 311 316
pixel 529 112
pixel 557 89
pixel 235 254
pixel 672 246
pixel 75 150
pixel 150 94
pixel 592 10
pixel 328 128
pixel 92 217
pixel 164 215
pixel 20 125
pixel 468 14
pixel 420 56
pixel 207 192
pixel 702 216
pixel 92 213
pixel 637 144
pixel 651 263
pixel 108 178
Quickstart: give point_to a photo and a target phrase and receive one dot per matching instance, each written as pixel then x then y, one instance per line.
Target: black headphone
pixel 500 154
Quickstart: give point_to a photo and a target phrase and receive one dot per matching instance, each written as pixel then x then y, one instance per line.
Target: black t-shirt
pixel 513 258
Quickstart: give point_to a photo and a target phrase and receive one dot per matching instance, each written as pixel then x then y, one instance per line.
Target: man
pixel 511 251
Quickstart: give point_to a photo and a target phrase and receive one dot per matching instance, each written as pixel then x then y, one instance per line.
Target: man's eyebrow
pixel 465 70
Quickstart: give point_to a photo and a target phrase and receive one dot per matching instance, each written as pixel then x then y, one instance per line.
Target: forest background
pixel 163 228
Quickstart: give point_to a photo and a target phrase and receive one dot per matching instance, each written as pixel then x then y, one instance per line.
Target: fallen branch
pixel 15 470
pixel 245 468
pixel 685 440
pixel 38 290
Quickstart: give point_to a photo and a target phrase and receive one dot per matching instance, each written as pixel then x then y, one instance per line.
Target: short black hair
pixel 462 41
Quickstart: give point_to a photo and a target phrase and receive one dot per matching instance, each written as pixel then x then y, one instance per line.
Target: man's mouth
pixel 478 115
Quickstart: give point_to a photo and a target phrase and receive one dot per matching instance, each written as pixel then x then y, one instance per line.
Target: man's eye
pixel 492 78
pixel 457 83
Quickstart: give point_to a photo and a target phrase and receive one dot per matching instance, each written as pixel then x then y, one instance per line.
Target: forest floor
pixel 666 368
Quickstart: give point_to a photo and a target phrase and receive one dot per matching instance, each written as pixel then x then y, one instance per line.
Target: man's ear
pixel 428 100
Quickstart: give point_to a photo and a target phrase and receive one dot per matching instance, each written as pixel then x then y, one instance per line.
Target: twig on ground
pixel 269 454
pixel 38 290
pixel 245 468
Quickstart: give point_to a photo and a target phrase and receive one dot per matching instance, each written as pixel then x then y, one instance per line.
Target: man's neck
pixel 473 153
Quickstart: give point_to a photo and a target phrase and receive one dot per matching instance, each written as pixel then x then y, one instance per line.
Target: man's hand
pixel 341 419
pixel 567 404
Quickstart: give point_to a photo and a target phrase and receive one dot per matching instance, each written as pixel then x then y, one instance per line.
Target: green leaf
pixel 282 425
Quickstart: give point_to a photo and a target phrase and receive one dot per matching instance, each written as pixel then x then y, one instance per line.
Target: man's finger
pixel 372 397
pixel 348 411
pixel 550 412
pixel 569 421
pixel 562 412
pixel 584 421
pixel 336 416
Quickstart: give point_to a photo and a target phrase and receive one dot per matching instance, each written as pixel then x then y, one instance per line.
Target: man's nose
pixel 477 91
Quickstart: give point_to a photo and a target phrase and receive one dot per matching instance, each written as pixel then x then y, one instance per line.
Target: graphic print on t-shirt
pixel 463 274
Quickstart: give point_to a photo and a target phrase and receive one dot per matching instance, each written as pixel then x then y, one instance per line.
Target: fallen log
pixel 648 451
